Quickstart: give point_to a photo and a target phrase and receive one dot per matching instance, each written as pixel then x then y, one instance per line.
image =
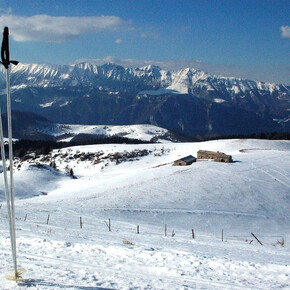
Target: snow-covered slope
pixel 137 185
pixel 34 127
pixel 141 132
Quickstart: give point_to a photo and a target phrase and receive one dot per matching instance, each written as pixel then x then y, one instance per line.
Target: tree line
pixel 267 136
pixel 40 147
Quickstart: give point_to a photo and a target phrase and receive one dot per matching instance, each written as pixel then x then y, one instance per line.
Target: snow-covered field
pixel 136 185
pixel 143 132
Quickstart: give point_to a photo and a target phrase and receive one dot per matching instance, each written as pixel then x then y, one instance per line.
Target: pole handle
pixel 5 55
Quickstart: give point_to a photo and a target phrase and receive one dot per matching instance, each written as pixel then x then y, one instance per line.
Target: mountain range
pixel 186 101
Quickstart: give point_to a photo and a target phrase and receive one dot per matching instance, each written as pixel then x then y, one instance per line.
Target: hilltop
pixel 137 185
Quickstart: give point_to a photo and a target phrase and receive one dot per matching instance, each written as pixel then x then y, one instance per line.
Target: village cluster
pixel 204 155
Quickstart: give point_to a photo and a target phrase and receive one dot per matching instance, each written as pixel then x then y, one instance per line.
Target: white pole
pixel 11 170
pixel 7 194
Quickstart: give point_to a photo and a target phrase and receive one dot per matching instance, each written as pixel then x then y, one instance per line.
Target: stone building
pixel 185 161
pixel 215 156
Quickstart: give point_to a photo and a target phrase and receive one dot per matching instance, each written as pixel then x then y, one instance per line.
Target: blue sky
pixel 244 38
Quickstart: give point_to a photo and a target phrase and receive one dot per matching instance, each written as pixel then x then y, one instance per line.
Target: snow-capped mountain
pixel 188 101
pixel 182 82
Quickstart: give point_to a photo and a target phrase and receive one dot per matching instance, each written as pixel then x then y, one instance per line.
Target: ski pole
pixel 7 194
pixel 10 196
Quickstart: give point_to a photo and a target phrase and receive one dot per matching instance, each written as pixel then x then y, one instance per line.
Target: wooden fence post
pixel 25 217
pixel 108 224
pixel 165 230
pixel 257 239
pixel 138 232
pixel 47 219
pixel 81 223
pixel 192 233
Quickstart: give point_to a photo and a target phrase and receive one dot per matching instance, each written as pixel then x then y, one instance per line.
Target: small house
pixel 185 161
pixel 215 156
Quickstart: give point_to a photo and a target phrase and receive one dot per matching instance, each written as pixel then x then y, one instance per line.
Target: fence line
pixel 48 221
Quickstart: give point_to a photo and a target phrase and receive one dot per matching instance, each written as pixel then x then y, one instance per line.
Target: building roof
pixel 217 154
pixel 188 158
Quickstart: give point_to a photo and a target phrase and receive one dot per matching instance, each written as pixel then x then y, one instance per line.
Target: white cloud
pixel 285 29
pixel 118 40
pixel 45 28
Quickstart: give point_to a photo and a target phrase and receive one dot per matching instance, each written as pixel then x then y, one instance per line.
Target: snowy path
pixel 154 261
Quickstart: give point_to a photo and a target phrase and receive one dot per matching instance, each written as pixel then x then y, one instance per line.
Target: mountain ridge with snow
pixel 187 101
pixel 52 72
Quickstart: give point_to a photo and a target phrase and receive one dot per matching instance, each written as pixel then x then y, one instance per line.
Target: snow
pixel 218 100
pixel 180 81
pixel 29 177
pixel 46 104
pixel 65 76
pixel 172 90
pixel 183 81
pixel 285 120
pixel 143 132
pixel 65 104
pixel 236 89
pixel 18 87
pixel 249 195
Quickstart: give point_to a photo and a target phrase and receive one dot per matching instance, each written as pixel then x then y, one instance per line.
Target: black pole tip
pixel 5 50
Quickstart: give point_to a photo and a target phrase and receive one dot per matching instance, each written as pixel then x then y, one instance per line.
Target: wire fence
pixel 70 226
